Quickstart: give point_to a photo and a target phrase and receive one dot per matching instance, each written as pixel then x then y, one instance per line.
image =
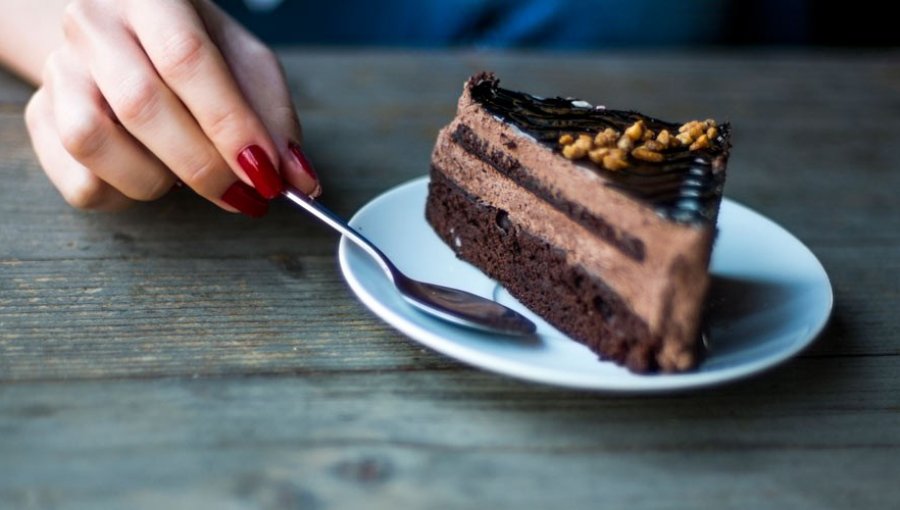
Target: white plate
pixel 770 298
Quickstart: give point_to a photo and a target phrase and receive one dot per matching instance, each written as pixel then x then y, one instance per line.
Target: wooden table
pixel 177 356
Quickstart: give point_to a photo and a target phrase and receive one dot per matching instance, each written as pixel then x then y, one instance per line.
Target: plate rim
pixel 652 383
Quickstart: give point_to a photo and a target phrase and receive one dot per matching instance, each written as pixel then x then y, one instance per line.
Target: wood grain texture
pixel 454 440
pixel 174 355
pixel 13 92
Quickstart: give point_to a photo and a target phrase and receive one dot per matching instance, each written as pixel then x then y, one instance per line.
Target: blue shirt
pixel 501 23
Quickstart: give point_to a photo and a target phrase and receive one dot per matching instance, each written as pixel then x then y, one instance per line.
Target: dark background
pixel 572 24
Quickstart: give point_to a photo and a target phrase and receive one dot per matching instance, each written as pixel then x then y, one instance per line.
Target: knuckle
pixel 77 15
pixel 200 173
pixel 86 193
pixel 138 100
pixel 156 189
pixel 182 54
pixel 84 134
pixel 222 121
pixel 73 14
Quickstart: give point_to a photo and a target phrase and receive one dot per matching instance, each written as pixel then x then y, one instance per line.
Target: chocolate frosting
pixel 685 187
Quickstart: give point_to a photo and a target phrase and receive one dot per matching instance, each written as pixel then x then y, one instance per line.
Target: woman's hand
pixel 143 94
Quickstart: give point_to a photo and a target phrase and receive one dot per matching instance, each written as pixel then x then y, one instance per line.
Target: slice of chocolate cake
pixel 601 221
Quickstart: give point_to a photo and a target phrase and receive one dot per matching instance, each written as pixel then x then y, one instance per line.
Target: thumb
pixel 260 77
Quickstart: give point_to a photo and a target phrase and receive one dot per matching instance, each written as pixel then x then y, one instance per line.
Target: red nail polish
pixel 246 199
pixel 304 163
pixel 259 169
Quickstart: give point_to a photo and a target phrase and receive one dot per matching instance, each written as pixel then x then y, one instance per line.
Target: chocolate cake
pixel 601 221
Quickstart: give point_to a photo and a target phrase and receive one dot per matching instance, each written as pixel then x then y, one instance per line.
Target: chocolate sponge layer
pixel 537 274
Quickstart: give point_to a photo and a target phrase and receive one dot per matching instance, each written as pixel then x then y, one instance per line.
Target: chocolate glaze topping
pixel 684 187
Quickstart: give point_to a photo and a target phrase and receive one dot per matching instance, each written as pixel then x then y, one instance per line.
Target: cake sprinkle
pixel 611 149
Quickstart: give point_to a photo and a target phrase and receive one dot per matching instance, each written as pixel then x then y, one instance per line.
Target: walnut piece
pixel 698 135
pixel 664 137
pixel 635 131
pixel 615 160
pixel 598 154
pixel 653 145
pixel 684 138
pixel 614 150
pixel 606 138
pixel 645 154
pixel 600 148
pixel 625 143
pixel 700 143
pixel 572 151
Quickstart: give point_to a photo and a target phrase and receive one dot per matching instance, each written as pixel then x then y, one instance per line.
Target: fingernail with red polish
pixel 305 165
pixel 259 169
pixel 246 199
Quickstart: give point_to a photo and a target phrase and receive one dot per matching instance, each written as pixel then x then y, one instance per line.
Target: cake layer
pixel 466 138
pixel 665 287
pixel 646 288
pixel 542 277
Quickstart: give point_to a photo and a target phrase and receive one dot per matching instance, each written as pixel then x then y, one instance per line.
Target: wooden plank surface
pixel 454 440
pixel 174 355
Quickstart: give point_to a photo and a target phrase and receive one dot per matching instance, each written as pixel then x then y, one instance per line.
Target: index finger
pixel 176 41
